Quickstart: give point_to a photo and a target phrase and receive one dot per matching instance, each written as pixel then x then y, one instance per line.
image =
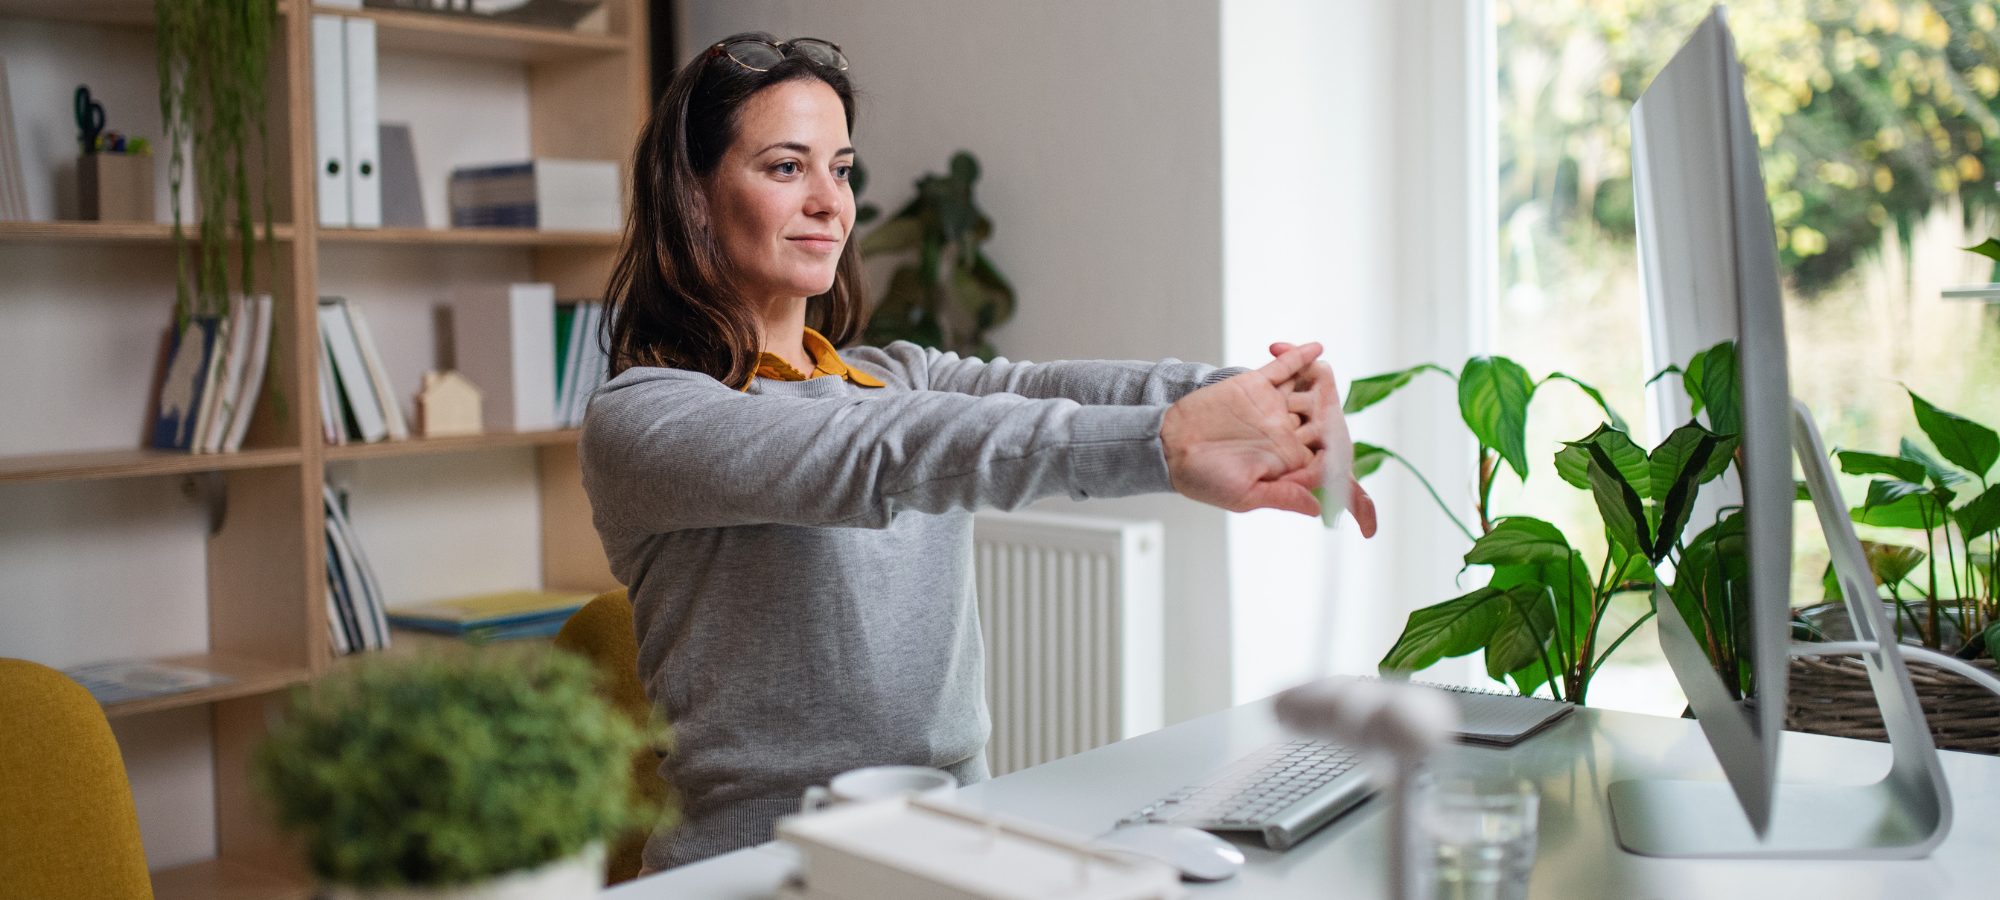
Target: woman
pixel 794 523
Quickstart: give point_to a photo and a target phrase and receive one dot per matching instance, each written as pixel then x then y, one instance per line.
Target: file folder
pixel 329 67
pixel 364 152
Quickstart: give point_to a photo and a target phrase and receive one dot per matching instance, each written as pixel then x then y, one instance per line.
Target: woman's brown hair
pixel 671 302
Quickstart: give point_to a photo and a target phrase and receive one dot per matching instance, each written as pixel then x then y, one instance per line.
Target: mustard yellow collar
pixel 826 361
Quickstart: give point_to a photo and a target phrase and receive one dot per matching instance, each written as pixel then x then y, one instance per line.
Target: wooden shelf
pixel 215 879
pixel 467 444
pixel 249 677
pixel 109 232
pixel 102 464
pixel 433 33
pixel 468 237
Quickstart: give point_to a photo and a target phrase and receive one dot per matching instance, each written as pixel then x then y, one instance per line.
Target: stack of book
pixel 493 617
pixel 581 363
pixel 214 371
pixel 357 402
pixel 549 194
pixel 354 612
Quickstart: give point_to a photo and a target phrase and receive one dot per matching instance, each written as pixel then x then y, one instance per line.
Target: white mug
pixel 876 783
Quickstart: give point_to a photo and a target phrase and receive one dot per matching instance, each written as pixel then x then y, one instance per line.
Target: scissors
pixel 89 119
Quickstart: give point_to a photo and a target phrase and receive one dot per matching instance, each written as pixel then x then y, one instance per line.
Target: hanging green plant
pixel 214 60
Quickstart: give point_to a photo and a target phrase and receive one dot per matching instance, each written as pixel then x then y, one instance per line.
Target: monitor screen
pixel 1709 259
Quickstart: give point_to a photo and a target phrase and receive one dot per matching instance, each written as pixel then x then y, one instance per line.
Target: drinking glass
pixel 1482 831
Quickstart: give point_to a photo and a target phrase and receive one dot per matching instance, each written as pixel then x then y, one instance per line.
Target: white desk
pixel 1571 764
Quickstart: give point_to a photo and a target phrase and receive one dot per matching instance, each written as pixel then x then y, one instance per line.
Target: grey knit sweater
pixel 800 555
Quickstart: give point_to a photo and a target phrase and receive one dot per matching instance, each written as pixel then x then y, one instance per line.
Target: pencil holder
pixel 115 187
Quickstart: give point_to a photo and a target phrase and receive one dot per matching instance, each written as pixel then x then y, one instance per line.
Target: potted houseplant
pixel 1940 587
pixel 472 775
pixel 1541 616
pixel 951 294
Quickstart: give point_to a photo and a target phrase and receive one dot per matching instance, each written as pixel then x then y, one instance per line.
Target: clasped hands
pixel 1264 439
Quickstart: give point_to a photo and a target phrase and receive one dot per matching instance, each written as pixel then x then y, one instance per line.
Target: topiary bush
pixel 452 768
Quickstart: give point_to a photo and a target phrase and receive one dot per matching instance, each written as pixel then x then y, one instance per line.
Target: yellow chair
pixel 67 825
pixel 602 632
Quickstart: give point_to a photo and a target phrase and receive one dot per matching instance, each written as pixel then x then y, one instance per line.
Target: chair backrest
pixel 67 825
pixel 602 632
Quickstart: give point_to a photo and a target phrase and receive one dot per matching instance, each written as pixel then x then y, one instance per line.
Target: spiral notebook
pixel 1500 718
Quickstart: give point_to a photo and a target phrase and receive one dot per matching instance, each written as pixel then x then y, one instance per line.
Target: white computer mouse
pixel 1198 855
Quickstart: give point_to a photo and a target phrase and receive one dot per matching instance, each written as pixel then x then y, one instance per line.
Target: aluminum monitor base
pixel 1808 821
pixel 1903 816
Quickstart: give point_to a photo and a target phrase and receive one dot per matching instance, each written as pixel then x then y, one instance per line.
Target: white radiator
pixel 1071 611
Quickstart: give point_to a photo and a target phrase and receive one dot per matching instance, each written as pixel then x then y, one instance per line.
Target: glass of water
pixel 1483 834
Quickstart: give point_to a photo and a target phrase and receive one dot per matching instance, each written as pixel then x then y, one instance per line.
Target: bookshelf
pixel 245 592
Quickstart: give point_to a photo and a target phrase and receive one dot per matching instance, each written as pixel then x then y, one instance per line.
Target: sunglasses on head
pixel 760 55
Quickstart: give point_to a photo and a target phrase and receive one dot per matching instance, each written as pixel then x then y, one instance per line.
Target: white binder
pixel 364 137
pixel 329 62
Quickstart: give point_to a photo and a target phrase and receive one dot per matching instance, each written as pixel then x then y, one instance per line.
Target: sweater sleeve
pixel 1090 382
pixel 665 450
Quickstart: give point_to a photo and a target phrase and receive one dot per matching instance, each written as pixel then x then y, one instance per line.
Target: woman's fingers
pixel 1285 495
pixel 1289 364
pixel 1362 506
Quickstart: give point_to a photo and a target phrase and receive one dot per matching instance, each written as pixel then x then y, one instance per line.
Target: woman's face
pixel 784 206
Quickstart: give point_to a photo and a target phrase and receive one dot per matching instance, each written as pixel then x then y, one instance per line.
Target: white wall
pixel 1097 129
pixel 1350 208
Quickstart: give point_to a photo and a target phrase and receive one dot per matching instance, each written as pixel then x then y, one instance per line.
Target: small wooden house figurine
pixel 447 405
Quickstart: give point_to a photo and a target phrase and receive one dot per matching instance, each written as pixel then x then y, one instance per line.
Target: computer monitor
pixel 1708 257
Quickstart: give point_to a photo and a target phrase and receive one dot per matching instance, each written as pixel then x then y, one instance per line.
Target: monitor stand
pixel 1903 816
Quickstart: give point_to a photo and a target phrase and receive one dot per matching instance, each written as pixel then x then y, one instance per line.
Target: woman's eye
pixel 783 170
pixel 843 172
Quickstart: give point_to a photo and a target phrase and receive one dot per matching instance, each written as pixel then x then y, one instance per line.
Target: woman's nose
pixel 825 196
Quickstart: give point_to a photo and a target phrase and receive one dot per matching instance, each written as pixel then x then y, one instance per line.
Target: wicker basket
pixel 1833 696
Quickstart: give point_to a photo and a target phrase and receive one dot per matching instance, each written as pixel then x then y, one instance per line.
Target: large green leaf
pixel 1455 627
pixel 1367 459
pixel 1366 392
pixel 1570 593
pixel 1990 248
pixel 1982 515
pixel 1669 462
pixel 1519 540
pixel 1529 678
pixel 1623 512
pixel 1527 625
pixel 1612 414
pixel 1963 442
pixel 1493 395
pixel 1712 379
pixel 1629 459
pixel 1688 458
pixel 1855 462
pixel 1899 504
pixel 1941 474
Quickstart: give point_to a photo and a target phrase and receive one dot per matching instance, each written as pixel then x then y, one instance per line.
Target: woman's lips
pixel 817 245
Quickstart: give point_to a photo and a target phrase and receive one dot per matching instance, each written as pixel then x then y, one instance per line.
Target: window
pixel 1879 122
